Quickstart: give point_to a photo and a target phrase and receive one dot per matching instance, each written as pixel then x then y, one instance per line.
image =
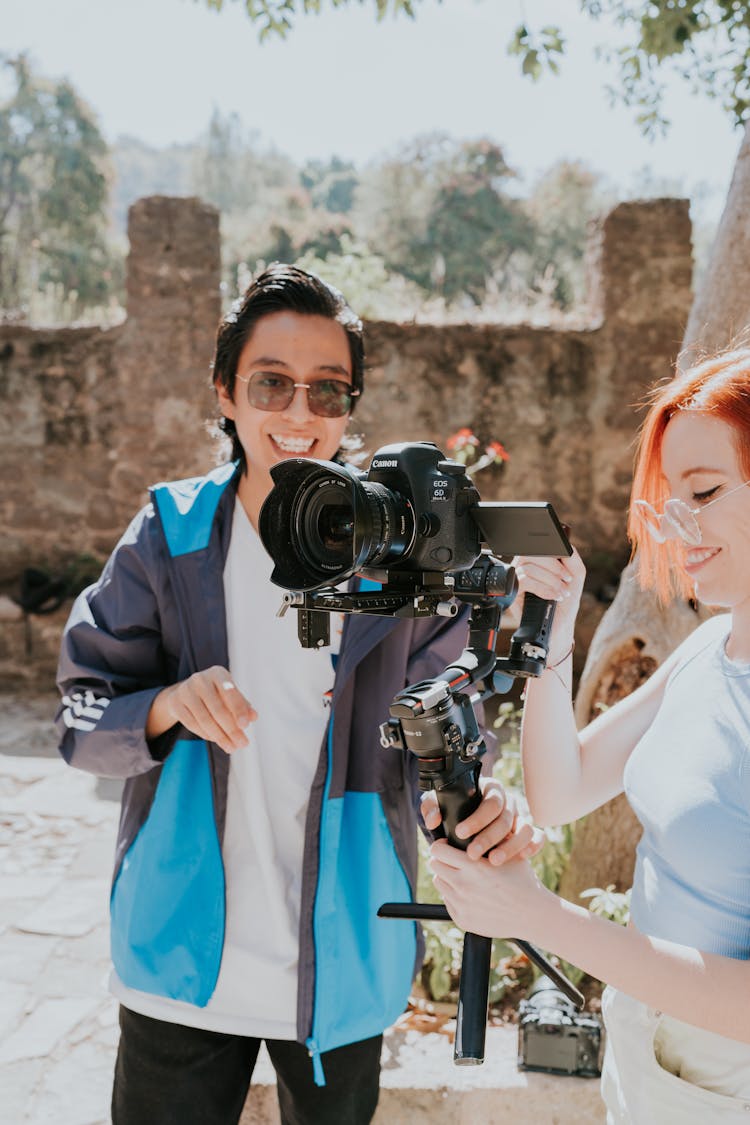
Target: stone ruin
pixel 92 416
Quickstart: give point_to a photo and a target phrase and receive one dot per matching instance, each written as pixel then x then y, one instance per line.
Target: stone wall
pixel 91 417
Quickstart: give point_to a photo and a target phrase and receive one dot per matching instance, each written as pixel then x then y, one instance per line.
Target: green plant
pixel 372 287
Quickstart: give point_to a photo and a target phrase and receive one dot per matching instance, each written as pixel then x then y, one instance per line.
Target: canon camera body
pixel 414 512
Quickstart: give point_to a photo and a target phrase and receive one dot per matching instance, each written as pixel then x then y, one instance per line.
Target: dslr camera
pixel 554 1037
pixel 412 515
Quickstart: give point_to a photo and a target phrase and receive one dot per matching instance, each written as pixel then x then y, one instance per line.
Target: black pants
pixel 167 1074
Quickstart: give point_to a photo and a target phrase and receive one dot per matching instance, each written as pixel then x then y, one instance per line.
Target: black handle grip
pixel 536 622
pixel 457 801
pixel 473 1000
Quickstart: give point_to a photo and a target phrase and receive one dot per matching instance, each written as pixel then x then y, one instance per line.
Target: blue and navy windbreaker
pixel 157 615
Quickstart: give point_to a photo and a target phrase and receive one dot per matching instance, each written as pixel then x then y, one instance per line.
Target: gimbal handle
pixel 457 801
pixel 471 1021
pixel 435 720
pixel 457 798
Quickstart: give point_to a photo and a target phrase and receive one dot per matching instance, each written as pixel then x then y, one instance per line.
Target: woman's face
pixel 700 464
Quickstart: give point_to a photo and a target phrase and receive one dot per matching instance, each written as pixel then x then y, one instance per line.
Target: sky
pixel 344 84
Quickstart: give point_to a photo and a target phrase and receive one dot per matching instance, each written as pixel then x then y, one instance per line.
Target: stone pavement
pixel 57 1022
pixel 58 1025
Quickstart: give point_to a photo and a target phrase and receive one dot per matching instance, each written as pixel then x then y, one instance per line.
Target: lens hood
pixel 307 523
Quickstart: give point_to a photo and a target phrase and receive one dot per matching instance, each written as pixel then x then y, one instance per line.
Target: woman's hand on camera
pixel 488 900
pixel 558 580
pixel 208 704
pixel 495 829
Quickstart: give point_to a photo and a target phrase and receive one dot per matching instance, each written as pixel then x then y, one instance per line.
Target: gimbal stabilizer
pixel 435 720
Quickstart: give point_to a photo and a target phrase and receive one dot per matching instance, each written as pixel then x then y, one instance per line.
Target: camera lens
pixel 322 523
pixel 386 525
pixel 326 534
pixel 341 529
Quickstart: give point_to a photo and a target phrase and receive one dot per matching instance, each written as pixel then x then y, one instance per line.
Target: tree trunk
pixel 636 633
pixel 721 311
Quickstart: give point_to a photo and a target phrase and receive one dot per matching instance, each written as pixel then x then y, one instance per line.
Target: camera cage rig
pixel 435 720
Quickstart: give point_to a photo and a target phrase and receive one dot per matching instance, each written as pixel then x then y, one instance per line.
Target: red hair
pixel 719 386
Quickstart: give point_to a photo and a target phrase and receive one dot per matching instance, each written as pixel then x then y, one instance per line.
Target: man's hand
pixel 495 828
pixel 207 703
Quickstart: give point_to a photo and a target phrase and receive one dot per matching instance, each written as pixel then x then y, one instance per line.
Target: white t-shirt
pixel 268 793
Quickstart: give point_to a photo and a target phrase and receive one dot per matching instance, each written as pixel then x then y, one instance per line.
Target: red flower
pixel 461 439
pixel 497 450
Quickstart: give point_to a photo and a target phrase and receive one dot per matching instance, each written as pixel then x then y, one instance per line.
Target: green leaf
pixel 440 982
pixel 553 40
pixel 531 66
pixel 519 41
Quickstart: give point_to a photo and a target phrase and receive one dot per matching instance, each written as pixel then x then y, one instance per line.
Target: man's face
pixel 307 349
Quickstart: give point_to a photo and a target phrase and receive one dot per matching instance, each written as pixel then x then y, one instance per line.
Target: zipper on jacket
pixel 314 1053
pixel 311 1042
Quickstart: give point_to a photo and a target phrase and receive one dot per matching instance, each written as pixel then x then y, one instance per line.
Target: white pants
pixel 660 1071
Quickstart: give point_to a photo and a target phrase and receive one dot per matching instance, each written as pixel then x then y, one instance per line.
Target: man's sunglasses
pixel 328 398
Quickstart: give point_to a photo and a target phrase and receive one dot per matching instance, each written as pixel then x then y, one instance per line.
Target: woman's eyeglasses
pixel 328 398
pixel 678 520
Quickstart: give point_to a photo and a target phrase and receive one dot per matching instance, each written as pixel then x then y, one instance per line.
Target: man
pixel 262 824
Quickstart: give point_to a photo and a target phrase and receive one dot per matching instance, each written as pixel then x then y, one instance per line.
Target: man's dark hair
pixel 280 288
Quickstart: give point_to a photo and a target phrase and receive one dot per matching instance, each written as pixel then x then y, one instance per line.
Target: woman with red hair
pixel 676 1010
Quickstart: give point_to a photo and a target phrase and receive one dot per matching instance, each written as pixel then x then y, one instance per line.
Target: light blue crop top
pixel 688 782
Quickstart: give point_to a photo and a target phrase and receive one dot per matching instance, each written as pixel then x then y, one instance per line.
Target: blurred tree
pixel 562 203
pixel 474 227
pixel 706 42
pixel 53 193
pixel 231 170
pixel 257 191
pixel 394 200
pixel 280 247
pixel 276 16
pixel 331 184
pixel 373 290
pixel 438 213
pixel 140 169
